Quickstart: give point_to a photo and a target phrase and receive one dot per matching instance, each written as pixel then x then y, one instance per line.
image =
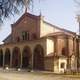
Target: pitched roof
pixel 24 15
pixel 37 17
pixel 65 30
pixel 60 34
pixel 8 37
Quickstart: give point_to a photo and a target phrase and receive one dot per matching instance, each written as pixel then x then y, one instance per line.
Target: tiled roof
pixel 59 34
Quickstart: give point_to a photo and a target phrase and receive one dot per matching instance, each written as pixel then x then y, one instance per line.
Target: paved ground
pixel 15 75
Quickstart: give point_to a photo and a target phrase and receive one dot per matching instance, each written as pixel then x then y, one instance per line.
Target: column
pixel 67 50
pixel 11 59
pixel 3 59
pixel 21 61
pixel 32 60
pixel 67 45
pixel 77 51
pixel 55 46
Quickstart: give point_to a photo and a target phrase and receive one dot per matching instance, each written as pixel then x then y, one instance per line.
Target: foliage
pixel 9 7
pixel 77 1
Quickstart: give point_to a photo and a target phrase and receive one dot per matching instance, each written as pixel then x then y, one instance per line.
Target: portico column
pixel 67 50
pixel 3 59
pixel 21 61
pixel 32 60
pixel 11 59
pixel 78 57
pixel 55 46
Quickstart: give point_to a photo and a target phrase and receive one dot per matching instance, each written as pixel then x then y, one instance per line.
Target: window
pixel 62 65
pixel 25 35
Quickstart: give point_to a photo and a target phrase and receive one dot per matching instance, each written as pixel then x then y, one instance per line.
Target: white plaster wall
pixel 47 29
pixel 56 67
pixel 50 46
pixel 62 60
pixel 73 63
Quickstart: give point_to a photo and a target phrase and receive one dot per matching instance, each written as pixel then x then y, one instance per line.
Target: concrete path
pixel 15 75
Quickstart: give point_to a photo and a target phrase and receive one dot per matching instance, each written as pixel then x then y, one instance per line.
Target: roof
pixel 59 34
pixel 24 15
pixel 8 37
pixel 37 17
pixel 65 30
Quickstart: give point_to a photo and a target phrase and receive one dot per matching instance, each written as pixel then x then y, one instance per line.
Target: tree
pixel 9 7
pixel 77 1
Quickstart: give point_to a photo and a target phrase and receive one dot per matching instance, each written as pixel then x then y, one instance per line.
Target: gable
pixel 27 23
pixel 24 19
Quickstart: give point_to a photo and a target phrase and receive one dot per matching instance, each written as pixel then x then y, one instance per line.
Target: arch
pixel 16 57
pixel 7 57
pixel 26 56
pixel 1 58
pixel 38 58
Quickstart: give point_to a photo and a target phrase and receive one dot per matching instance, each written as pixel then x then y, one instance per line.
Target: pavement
pixel 34 75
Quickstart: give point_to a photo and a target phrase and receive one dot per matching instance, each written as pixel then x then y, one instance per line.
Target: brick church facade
pixel 41 45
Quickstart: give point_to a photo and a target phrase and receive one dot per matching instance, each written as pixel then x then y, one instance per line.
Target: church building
pixel 41 45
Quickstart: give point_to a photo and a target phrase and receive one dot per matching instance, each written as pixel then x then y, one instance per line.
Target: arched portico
pixel 26 56
pixel 38 58
pixel 1 58
pixel 16 57
pixel 7 57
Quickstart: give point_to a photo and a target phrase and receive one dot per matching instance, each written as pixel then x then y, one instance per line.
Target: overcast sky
pixel 58 12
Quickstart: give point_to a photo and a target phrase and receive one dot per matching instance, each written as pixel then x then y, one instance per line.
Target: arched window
pixel 25 35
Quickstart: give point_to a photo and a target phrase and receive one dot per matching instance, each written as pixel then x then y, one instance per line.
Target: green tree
pixel 10 7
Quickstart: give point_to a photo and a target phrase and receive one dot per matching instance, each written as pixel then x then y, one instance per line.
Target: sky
pixel 58 12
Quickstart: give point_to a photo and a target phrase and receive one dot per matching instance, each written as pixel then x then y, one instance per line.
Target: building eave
pixel 65 30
